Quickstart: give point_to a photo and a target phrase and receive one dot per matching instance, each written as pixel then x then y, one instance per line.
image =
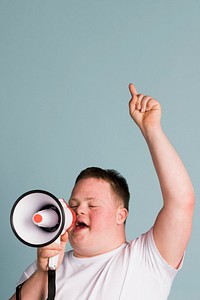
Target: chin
pixel 78 242
pixel 83 247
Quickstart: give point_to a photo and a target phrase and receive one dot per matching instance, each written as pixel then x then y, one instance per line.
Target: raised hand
pixel 144 110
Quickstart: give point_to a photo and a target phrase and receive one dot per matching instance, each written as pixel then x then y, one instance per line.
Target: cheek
pixel 103 219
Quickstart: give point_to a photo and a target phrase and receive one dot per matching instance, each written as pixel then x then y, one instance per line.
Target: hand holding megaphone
pixel 38 219
pixel 52 255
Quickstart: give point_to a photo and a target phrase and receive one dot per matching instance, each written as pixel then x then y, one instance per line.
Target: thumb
pixel 64 238
pixel 132 89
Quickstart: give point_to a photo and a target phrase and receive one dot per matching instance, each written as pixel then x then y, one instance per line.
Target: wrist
pixel 152 131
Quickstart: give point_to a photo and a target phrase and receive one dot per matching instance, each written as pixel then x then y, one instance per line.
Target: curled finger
pixel 144 103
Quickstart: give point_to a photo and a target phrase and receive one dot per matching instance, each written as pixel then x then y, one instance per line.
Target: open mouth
pixel 81 225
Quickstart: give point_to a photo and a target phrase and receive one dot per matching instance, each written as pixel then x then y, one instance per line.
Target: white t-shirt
pixel 135 271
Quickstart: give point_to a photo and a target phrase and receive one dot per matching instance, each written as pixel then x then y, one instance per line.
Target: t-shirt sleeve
pixel 152 259
pixel 27 273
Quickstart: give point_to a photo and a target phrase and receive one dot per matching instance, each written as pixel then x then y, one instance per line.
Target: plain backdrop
pixel 65 67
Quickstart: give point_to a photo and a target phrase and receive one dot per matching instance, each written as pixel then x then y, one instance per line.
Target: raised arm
pixel 173 224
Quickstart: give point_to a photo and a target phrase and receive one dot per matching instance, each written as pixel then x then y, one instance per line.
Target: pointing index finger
pixel 132 89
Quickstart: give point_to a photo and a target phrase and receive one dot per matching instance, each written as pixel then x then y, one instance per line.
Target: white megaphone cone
pixel 38 219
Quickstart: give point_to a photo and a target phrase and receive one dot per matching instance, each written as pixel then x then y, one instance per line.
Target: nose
pixel 81 210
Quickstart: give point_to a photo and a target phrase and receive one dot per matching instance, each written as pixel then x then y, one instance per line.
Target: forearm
pixel 174 181
pixel 173 224
pixel 35 288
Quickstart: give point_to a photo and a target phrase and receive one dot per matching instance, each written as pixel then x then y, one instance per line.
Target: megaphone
pixel 38 219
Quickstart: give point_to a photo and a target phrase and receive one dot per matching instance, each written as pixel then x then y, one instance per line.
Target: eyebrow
pixel 85 199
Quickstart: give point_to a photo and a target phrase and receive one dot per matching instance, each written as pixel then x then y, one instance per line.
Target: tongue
pixel 82 225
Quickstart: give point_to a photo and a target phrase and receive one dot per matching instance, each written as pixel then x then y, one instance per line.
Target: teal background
pixel 65 67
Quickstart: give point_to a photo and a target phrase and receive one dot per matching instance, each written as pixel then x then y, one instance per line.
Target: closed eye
pixel 73 206
pixel 93 206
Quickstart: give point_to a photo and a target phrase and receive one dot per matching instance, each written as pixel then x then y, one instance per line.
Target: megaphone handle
pixel 53 261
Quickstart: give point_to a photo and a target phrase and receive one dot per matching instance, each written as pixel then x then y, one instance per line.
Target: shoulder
pixel 144 240
pixel 146 250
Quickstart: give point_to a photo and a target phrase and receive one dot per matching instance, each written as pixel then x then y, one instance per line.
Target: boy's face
pixel 100 220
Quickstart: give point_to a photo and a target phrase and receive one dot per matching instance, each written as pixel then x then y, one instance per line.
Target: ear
pixel 122 214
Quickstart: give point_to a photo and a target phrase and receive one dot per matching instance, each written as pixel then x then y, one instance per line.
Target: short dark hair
pixel 117 182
